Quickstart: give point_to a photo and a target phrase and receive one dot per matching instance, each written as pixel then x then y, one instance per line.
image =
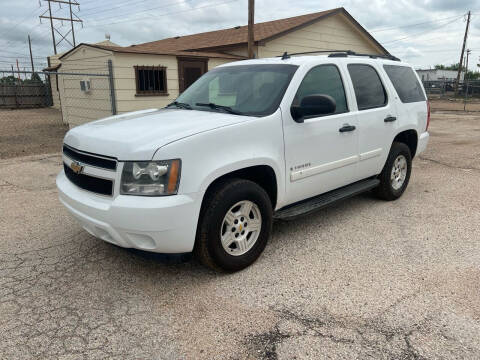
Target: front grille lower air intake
pixel 89 183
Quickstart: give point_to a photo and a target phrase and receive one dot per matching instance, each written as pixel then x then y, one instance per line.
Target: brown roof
pixel 233 36
pixel 238 35
pixel 52 68
pixel 158 51
pixel 208 44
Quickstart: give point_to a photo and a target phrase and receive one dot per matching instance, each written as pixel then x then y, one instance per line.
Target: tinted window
pixel 369 90
pixel 405 83
pixel 326 80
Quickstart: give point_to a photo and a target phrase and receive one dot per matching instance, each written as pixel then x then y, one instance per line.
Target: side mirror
pixel 313 105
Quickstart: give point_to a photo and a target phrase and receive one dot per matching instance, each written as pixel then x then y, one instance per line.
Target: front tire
pixel 395 175
pixel 235 224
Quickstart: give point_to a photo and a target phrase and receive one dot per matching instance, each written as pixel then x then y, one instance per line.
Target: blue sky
pixel 422 32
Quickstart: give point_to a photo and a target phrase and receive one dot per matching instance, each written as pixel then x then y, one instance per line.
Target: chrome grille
pixel 91 172
pixel 100 161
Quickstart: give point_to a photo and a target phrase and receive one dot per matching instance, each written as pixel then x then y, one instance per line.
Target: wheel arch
pixel 263 175
pixel 410 138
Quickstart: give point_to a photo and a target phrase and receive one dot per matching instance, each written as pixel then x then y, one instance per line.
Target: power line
pixel 53 29
pixel 119 5
pixel 142 11
pixel 34 27
pixel 417 24
pixel 20 57
pixel 161 15
pixel 422 32
pixel 23 20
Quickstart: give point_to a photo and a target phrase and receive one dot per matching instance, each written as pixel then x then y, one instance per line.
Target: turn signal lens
pixel 173 179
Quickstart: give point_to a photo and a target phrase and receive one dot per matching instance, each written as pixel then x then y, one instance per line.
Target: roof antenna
pixel 285 56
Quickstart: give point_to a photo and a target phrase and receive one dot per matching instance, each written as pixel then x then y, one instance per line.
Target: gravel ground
pixel 30 131
pixel 361 279
pixel 451 104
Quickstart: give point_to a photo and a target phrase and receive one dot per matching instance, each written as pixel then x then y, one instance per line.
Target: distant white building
pixel 437 74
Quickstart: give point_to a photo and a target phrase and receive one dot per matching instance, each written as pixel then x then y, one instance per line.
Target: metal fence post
pixel 48 91
pixel 112 88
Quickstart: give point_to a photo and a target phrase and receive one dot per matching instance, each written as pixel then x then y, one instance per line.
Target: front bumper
pixel 159 224
pixel 422 142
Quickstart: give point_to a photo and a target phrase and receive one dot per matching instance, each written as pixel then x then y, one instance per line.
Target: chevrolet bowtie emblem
pixel 76 167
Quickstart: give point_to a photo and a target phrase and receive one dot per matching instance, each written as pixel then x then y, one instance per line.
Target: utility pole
pixel 31 57
pixel 465 80
pixel 251 22
pixel 71 23
pixel 463 52
pixel 18 71
pixel 51 28
pixel 71 19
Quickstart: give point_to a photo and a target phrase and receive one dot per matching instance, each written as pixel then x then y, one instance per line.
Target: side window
pixel 405 83
pixel 326 80
pixel 368 87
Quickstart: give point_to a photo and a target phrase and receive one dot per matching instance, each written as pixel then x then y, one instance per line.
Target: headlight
pixel 150 178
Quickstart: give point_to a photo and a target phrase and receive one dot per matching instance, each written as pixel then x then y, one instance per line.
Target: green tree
pixel 449 67
pixel 10 80
pixel 471 75
pixel 35 78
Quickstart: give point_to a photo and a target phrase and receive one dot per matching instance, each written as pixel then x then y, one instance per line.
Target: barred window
pixel 151 80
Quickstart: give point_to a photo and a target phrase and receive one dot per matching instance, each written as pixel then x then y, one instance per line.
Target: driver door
pixel 319 155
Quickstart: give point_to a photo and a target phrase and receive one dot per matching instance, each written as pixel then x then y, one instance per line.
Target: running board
pixel 318 202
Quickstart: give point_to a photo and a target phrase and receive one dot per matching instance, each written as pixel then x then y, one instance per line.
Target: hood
pixel 137 135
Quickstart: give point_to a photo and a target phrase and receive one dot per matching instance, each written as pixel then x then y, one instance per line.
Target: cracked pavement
pixel 362 279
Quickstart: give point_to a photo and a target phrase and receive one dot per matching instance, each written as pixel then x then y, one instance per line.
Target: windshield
pixel 243 89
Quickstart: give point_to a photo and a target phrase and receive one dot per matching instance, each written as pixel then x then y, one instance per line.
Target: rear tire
pixel 395 175
pixel 234 227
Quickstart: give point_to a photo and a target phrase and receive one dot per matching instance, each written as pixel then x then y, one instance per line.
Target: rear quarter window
pixel 405 83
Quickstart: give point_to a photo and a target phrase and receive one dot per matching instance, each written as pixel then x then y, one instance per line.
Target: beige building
pixel 54 65
pixel 151 75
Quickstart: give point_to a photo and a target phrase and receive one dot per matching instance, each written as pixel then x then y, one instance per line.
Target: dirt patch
pixel 30 132
pixel 454 105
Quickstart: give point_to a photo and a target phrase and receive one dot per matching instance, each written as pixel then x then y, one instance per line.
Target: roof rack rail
pixel 340 53
pixel 371 56
pixel 287 55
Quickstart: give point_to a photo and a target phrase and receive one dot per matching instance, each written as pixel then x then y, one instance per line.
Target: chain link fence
pixel 441 94
pixel 85 95
pixel 80 95
pixel 36 109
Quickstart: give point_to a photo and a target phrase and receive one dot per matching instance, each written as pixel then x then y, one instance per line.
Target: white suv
pixel 247 143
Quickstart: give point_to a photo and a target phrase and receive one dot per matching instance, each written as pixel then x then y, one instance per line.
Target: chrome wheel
pixel 399 172
pixel 241 227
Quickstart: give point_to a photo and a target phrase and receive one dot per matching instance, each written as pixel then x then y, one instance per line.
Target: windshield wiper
pixel 180 105
pixel 220 107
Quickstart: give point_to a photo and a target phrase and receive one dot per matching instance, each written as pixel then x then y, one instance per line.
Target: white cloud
pixel 423 45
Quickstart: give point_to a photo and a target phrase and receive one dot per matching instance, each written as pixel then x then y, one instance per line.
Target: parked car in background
pixel 247 143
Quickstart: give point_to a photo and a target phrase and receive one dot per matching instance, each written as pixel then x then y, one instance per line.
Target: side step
pixel 318 202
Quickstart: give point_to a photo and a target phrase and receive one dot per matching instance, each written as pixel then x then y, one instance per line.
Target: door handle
pixel 390 118
pixel 346 128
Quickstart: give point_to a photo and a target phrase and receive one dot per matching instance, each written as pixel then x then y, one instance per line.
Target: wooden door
pixel 189 70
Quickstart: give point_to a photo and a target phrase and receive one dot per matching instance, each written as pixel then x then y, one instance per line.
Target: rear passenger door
pixel 376 117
